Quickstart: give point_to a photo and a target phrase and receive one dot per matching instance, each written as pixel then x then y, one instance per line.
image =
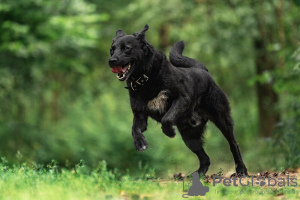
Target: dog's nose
pixel 113 61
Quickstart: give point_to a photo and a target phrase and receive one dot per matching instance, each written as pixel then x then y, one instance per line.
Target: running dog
pixel 177 93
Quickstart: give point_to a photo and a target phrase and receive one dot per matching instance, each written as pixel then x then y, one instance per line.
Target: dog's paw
pixel 168 131
pixel 140 143
pixel 242 171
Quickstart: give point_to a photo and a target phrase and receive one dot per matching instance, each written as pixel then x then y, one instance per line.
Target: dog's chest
pixel 157 107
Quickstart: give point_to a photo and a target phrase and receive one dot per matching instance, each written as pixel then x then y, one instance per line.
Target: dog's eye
pixel 111 51
pixel 127 48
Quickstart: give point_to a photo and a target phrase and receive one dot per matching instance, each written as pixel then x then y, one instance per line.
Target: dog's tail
pixel 178 60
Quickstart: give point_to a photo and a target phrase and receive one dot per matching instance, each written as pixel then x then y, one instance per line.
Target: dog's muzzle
pixel 122 71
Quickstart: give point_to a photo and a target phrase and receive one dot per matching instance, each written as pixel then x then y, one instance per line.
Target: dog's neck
pixel 136 82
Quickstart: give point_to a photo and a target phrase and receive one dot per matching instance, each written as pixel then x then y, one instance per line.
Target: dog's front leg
pixel 178 109
pixel 138 127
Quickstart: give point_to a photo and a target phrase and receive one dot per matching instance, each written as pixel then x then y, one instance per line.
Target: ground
pixel 23 182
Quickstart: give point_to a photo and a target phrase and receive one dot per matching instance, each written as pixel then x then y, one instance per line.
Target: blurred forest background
pixel 59 99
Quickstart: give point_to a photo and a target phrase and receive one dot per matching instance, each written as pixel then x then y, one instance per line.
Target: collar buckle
pixel 142 80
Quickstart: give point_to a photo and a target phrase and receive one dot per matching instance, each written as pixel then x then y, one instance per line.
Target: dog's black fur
pixel 182 93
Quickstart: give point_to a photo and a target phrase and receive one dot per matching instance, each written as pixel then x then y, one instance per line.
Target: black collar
pixel 134 84
pixel 137 83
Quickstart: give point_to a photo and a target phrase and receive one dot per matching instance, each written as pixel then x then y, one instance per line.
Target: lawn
pixel 52 182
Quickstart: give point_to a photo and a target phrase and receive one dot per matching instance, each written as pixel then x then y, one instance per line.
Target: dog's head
pixel 127 52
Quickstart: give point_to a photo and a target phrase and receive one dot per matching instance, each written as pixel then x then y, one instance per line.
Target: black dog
pixel 182 93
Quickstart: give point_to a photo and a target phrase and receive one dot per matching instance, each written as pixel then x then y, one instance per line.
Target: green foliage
pixel 286 140
pixel 220 172
pixel 44 53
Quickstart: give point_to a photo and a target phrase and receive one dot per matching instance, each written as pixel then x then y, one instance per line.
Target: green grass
pixel 51 182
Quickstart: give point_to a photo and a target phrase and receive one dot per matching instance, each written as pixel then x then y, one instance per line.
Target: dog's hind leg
pixel 225 125
pixel 220 116
pixel 192 137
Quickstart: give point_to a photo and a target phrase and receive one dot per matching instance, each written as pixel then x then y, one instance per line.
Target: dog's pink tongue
pixel 117 69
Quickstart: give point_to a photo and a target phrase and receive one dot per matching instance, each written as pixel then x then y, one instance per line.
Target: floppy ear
pixel 119 33
pixel 141 34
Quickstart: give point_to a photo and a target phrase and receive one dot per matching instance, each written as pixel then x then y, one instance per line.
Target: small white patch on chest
pixel 159 103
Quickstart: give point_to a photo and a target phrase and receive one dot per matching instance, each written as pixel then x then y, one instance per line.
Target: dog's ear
pixel 141 34
pixel 119 33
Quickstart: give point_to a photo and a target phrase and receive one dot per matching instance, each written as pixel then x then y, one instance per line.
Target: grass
pixel 51 182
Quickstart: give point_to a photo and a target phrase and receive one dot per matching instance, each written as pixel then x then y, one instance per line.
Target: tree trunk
pixel 268 115
pixel 164 38
pixel 267 97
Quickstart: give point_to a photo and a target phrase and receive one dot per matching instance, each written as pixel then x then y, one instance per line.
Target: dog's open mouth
pixel 122 71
